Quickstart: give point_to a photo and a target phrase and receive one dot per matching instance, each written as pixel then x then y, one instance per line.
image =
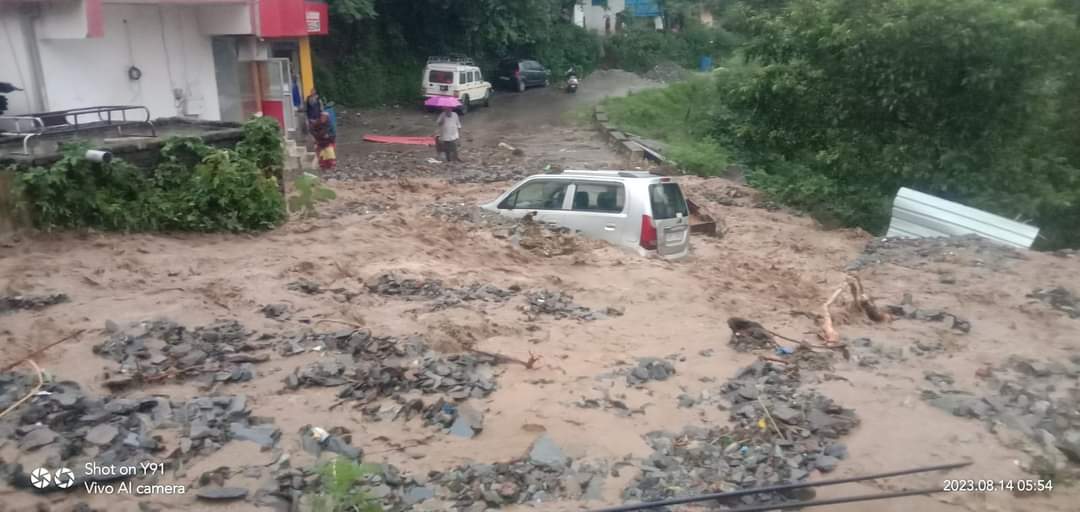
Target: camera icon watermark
pixel 42 478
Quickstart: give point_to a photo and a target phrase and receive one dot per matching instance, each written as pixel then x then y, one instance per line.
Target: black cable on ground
pixel 785 487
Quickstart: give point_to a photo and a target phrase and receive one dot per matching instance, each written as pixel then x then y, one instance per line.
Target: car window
pixel 537 195
pixel 441 77
pixel 667 201
pixel 599 197
pixel 463 78
pixel 473 76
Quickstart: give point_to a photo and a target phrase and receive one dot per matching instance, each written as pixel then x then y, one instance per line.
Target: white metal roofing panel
pixel 917 215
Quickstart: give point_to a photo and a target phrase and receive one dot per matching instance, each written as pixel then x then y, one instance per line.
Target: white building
pixel 206 59
pixel 601 16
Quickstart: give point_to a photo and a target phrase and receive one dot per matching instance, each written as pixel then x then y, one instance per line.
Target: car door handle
pixel 609 227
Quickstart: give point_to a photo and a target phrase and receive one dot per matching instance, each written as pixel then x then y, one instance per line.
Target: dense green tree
pixel 377 48
pixel 953 97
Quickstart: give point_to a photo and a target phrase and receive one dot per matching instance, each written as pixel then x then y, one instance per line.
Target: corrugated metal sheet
pixel 919 215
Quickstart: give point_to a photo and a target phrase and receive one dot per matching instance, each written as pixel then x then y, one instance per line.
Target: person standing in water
pixel 449 132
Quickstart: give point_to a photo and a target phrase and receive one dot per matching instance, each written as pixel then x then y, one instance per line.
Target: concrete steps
pixel 298 158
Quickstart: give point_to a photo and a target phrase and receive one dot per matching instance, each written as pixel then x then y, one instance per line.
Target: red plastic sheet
pixel 393 139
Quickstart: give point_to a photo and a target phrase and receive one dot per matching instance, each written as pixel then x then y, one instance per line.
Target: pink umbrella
pixel 442 102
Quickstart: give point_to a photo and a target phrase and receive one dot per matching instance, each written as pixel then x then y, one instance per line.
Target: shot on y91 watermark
pixel 108 479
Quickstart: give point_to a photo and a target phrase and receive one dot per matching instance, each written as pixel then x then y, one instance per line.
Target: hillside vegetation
pixel 836 104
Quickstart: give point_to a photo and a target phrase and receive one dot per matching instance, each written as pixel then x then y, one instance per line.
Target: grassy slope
pixel 680 115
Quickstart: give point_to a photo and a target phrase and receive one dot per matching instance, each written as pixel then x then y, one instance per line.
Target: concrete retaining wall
pixel 622 144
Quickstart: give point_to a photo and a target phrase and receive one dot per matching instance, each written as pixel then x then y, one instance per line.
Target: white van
pixel 639 211
pixel 457 77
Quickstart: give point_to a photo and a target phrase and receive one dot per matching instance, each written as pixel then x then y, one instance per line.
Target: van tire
pixel 521 86
pixel 487 98
pixel 465 104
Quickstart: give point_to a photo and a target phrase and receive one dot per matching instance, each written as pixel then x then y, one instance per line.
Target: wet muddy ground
pixel 403 328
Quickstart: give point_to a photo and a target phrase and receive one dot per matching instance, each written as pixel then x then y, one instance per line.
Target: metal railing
pixel 73 121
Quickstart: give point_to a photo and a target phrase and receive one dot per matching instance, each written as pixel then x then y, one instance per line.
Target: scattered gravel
pixel 543 239
pixel 156 350
pixel 1060 299
pixel 411 288
pixel 561 305
pixel 70 427
pixel 748 335
pixel 752 454
pixel 12 303
pixel 544 475
pixel 375 367
pixel 1036 399
pixel 668 72
pixel 650 369
pixel 969 250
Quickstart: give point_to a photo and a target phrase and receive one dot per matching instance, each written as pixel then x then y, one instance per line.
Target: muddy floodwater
pixel 403 328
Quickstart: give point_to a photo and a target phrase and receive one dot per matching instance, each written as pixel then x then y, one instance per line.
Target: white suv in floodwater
pixel 638 211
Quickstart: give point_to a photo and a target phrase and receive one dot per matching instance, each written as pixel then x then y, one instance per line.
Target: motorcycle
pixel 572 84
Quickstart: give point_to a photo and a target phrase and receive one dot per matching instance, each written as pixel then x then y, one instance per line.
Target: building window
pixel 601 3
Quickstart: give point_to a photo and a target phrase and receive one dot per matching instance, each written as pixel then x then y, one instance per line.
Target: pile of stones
pixel 485 165
pixel 11 303
pixel 967 250
pixel 748 335
pixel 1039 400
pixel 72 427
pixel 458 212
pixel 369 368
pixel 909 311
pixel 781 434
pixel 544 475
pixel 650 369
pixel 495 175
pixel 442 297
pixel 561 305
pixel 1060 299
pixel 867 354
pixel 540 238
pixel 154 350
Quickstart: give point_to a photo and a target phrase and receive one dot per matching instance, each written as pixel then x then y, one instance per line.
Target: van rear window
pixel 667 201
pixel 441 77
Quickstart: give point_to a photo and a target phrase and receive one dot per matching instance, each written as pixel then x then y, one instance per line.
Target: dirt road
pixel 397 213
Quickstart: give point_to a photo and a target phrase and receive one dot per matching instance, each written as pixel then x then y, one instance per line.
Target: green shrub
pixel 194 188
pixel 308 192
pixel 956 98
pixel 568 45
pixel 343 489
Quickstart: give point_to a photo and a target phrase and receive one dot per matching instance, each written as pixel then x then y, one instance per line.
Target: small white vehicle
pixel 457 77
pixel 638 211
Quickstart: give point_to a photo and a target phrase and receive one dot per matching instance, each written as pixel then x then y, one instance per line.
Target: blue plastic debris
pixel 784 351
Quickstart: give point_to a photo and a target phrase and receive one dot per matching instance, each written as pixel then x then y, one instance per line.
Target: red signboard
pixel 317 17
pixel 292 18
